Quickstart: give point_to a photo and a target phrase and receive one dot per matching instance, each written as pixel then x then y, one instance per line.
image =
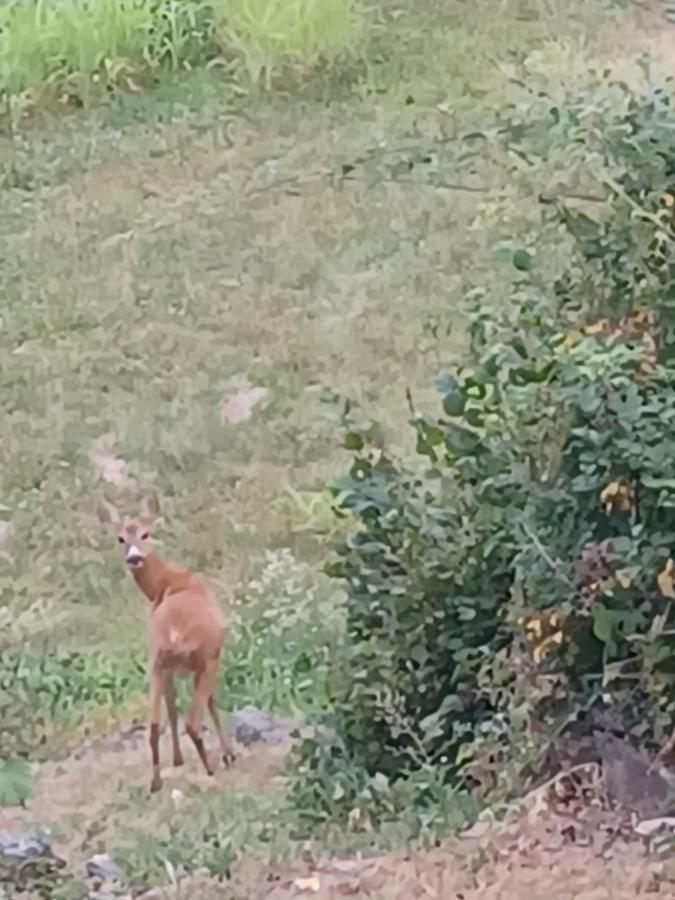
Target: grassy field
pixel 176 247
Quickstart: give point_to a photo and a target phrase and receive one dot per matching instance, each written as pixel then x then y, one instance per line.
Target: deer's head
pixel 133 532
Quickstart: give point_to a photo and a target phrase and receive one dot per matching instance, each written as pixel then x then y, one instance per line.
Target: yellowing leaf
pixel 668 200
pixel 572 337
pixel 543 631
pixel 542 651
pixel 601 328
pixel 618 496
pixel 625 577
pixel 666 580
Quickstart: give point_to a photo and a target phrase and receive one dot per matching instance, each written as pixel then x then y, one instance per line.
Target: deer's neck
pixel 153 577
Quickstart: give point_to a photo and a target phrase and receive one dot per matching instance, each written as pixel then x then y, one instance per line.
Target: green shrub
pixel 520 578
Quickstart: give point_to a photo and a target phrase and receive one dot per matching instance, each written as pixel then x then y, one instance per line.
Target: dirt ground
pixel 81 791
pixel 551 849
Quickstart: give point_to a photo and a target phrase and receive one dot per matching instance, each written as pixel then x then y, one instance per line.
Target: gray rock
pixel 251 725
pixel 633 780
pixel 24 847
pixel 104 868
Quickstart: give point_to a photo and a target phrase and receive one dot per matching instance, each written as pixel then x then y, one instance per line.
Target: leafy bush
pixel 519 582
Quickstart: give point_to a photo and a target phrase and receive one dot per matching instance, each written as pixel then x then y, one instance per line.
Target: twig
pixel 571 195
pixel 642 212
pixel 297 181
pixel 555 566
pixel 411 405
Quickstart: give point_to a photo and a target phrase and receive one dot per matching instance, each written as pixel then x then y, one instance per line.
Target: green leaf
pixel 604 621
pixel 446 383
pixel 454 402
pixel 17 782
pixel 522 260
pixel 503 251
pixel 461 440
pixel 353 441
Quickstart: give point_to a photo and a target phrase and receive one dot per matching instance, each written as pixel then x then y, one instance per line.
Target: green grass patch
pixel 270 35
pixel 84 49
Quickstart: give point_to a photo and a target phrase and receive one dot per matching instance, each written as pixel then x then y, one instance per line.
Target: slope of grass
pixel 185 245
pixel 160 250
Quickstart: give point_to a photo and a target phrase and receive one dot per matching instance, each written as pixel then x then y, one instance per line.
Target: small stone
pixel 24 847
pixel 107 895
pixel 651 826
pixel 103 867
pixel 251 725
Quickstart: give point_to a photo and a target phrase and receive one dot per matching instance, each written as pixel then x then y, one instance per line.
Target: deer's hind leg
pixel 204 684
pixel 226 747
pixel 157 690
pixel 172 710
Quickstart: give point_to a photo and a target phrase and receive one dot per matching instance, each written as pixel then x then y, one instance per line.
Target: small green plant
pixel 44 694
pixel 16 782
pixel 286 633
pixel 207 833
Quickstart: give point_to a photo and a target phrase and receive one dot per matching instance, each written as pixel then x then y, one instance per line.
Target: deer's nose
pixel 133 556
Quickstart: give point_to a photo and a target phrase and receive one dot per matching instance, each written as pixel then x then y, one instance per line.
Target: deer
pixel 186 635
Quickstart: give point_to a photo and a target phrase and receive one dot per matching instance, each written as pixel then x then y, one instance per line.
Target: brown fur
pixel 186 635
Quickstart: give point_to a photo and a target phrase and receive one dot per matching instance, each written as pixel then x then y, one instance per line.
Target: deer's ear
pixel 150 507
pixel 107 514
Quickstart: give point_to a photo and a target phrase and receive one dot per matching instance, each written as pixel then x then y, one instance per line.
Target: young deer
pixel 187 630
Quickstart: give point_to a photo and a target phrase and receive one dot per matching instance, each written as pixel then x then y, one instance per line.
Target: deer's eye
pixel 120 540
pixel 145 536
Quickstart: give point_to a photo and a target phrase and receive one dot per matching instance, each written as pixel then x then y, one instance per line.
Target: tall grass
pixel 80 45
pixel 269 34
pixel 45 42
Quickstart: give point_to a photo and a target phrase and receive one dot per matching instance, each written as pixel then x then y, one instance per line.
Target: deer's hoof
pixel 228 759
pixel 178 761
pixel 155 784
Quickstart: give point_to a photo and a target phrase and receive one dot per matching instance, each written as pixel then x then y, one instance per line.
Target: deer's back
pixel 187 628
